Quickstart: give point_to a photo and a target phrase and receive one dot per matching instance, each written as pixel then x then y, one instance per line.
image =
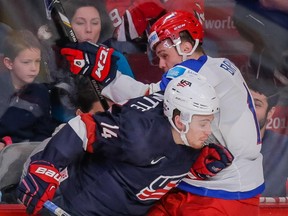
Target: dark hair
pixel 17 41
pixel 265 87
pixel 70 7
pixel 185 36
pixel 85 96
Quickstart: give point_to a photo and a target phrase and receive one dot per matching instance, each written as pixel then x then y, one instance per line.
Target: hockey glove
pixel 212 159
pixel 38 186
pixel 92 60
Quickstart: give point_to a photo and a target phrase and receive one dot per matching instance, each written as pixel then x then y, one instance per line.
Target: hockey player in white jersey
pixel 176 39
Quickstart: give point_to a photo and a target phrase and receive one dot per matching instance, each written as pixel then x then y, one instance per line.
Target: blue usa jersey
pixel 136 160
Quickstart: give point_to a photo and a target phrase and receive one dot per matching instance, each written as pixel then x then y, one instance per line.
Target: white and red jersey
pixel 237 129
pixel 237 126
pixel 131 18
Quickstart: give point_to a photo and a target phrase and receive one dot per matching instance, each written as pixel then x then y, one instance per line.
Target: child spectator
pixel 22 56
pixel 13 157
pixel 25 105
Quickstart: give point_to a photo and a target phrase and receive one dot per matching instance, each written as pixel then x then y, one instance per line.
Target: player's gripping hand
pixel 212 159
pixel 91 59
pixel 38 186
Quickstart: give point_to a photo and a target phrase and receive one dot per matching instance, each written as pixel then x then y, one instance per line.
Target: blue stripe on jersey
pixel 195 65
pixel 252 108
pixel 191 64
pixel 228 195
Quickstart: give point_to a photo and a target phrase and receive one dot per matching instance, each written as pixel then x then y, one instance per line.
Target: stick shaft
pixel 55 209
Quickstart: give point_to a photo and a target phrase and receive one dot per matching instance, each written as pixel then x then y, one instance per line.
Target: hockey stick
pixel 55 209
pixel 55 10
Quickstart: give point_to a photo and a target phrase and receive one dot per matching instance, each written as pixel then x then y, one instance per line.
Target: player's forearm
pixel 124 88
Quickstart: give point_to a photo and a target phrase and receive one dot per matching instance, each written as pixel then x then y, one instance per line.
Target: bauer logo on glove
pixel 38 186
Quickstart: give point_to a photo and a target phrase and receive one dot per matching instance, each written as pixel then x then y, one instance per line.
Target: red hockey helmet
pixel 171 24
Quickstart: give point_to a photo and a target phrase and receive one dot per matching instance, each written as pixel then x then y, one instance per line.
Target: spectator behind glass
pixel 274 145
pixel 85 101
pixel 90 22
pixel 265 95
pixel 22 56
pixel 25 105
pixel 89 19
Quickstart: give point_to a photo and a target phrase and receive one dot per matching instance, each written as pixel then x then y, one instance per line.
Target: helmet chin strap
pixel 184 138
pixel 184 55
pixel 183 134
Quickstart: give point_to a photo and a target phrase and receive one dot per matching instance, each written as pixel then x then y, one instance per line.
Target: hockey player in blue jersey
pixel 176 38
pixel 121 162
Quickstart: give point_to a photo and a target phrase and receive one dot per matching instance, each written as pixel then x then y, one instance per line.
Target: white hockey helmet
pixel 192 95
